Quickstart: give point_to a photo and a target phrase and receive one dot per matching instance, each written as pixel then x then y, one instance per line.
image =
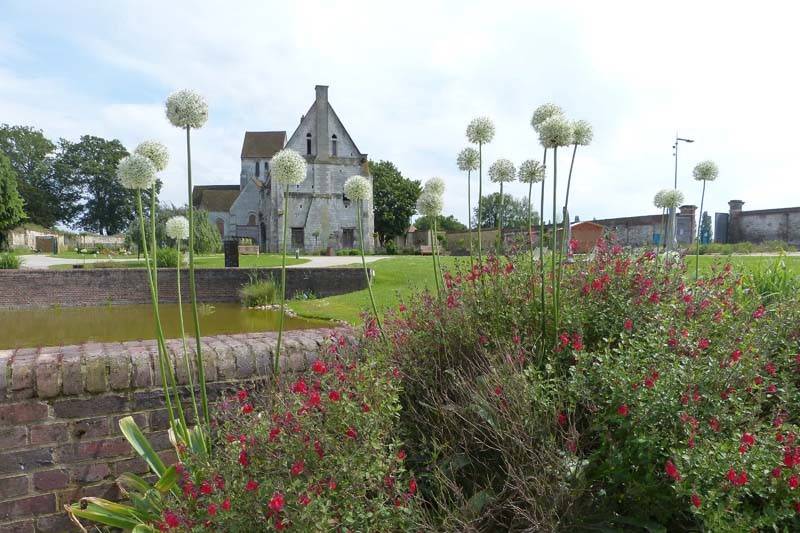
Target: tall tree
pixel 515 212
pixel 443 223
pixel 91 163
pixel 206 240
pixel 48 199
pixel 11 212
pixel 395 199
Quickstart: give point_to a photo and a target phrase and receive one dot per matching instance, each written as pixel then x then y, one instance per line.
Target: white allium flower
pixel 155 152
pixel 288 167
pixel 358 188
pixel 430 204
pixel 658 199
pixel 502 171
pixel 555 131
pixel 531 171
pixel 582 133
pixel 434 186
pixel 468 159
pixel 178 228
pixel 480 130
pixel 187 108
pixel 672 198
pixel 136 172
pixel 706 171
pixel 543 112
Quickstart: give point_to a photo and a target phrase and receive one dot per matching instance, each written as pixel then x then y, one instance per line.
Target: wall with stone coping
pixel 59 409
pixel 43 288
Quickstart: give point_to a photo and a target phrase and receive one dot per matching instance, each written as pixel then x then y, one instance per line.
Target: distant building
pixel 320 216
pixel 647 229
pixel 782 224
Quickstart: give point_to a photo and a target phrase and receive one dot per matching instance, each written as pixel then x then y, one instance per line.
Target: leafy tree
pixel 395 199
pixel 11 212
pixel 206 237
pixel 443 223
pixel 515 212
pixel 91 163
pixel 705 228
pixel 48 198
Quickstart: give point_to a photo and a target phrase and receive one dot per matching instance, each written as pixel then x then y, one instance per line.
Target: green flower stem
pixel 469 219
pixel 563 250
pixel 159 332
pixel 554 281
pixel 283 282
pixel 366 271
pixel 201 371
pixel 500 223
pixel 189 372
pixel 530 222
pixel 541 249
pixel 480 201
pixel 699 227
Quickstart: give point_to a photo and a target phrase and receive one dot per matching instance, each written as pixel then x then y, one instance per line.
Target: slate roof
pixel 215 197
pixel 262 144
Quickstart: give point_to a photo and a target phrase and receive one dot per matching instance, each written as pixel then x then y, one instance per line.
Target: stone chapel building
pixel 321 217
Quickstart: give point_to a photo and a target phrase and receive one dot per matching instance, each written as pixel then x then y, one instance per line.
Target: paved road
pixel 316 261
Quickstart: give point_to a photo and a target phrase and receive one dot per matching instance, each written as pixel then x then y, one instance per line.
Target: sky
pixel 407 77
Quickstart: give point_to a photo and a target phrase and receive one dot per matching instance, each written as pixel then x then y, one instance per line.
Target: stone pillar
pixel 734 221
pixel 322 134
pixel 231 249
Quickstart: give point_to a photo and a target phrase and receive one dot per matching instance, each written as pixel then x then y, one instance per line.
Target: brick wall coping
pixel 95 368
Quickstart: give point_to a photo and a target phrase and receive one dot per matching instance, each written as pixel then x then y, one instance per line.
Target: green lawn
pixel 742 262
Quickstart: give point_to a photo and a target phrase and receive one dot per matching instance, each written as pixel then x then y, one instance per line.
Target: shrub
pixel 258 292
pixel 316 453
pixel 391 247
pixel 348 251
pixel 10 261
pixel 167 258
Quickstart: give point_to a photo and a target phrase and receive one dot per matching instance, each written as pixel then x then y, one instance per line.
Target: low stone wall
pixel 43 288
pixel 59 409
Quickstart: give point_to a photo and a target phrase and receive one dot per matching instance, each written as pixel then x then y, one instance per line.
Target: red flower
pixel 714 425
pixel 334 396
pixel 226 504
pixel 171 519
pixel 794 481
pixel 351 433
pixel 623 410
pixel 319 367
pixel 672 470
pixel 736 355
pixel 628 324
pixel 498 391
pixel 770 368
pixel 314 399
pixel 412 486
pixel 562 419
pixel 274 432
pixel 703 343
pixel 300 387
pixel 280 525
pixel 212 509
pixel 318 449
pixel 298 467
pixel 243 459
pixel 760 312
pixel 206 488
pixel 251 485
pixel 776 472
pixel 747 440
pixel 304 499
pixel 247 409
pixel 696 501
pixel 737 480
pixel 277 502
pixel 242 395
pixel 401 455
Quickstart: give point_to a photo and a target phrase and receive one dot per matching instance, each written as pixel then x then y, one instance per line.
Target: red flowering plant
pixel 315 452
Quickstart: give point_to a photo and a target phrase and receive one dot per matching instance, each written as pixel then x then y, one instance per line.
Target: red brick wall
pixel 59 408
pixel 42 288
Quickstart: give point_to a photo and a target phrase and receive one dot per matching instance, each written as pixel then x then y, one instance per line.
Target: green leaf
pixel 132 483
pixel 142 446
pixel 105 512
pixel 168 480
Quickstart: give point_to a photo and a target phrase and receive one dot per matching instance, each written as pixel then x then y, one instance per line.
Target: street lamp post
pixel 672 240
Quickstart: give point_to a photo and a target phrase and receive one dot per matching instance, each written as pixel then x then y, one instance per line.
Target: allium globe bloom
pixel 178 228
pixel 358 188
pixel 155 152
pixel 672 198
pixel 543 112
pixel 555 131
pixel 582 133
pixel 429 204
pixel 186 108
pixel 480 130
pixel 434 186
pixel 468 159
pixel 288 167
pixel 136 172
pixel 502 171
pixel 531 171
pixel 658 199
pixel 706 171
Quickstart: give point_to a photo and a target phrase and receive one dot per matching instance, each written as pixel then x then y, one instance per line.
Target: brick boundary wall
pixel 69 288
pixel 60 407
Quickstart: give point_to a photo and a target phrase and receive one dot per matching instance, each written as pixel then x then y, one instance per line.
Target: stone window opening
pixel 308 144
pixel 251 221
pixel 333 145
pixel 345 200
pixel 258 168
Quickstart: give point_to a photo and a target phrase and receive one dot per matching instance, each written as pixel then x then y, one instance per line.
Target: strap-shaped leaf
pixel 104 512
pixel 168 480
pixel 142 446
pixel 130 482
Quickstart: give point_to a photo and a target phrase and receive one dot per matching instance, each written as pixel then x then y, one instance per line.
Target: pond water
pixel 24 328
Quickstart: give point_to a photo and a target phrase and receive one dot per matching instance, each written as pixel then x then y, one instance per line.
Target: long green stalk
pixel 541 249
pixel 201 371
pixel 283 282
pixel 433 256
pixel 366 271
pixel 469 219
pixel 699 228
pixel 563 250
pixel 530 222
pixel 480 201
pixel 554 280
pixel 189 372
pixel 500 223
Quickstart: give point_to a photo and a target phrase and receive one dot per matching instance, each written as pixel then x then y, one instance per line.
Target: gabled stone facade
pixel 320 217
